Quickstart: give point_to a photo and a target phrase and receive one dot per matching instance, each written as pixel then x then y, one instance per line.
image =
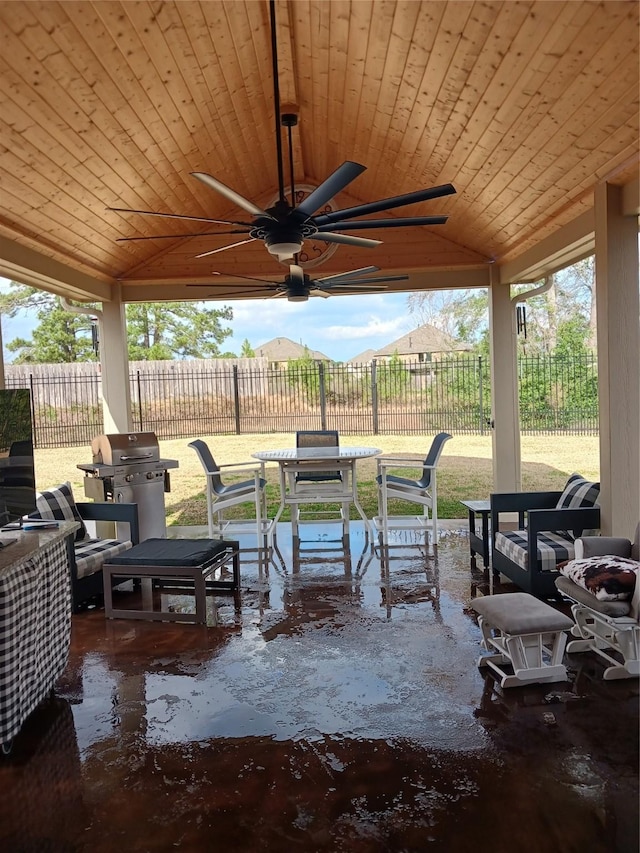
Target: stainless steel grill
pixel 127 468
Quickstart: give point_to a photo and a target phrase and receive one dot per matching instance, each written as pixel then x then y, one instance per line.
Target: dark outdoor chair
pixel 548 524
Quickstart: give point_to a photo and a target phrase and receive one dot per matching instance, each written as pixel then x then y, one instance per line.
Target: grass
pixel 465 470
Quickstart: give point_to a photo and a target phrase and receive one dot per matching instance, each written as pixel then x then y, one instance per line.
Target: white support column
pixel 618 310
pixel 2 374
pixel 114 362
pixel 504 389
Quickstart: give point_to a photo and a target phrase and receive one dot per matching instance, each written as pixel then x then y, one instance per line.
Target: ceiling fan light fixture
pixel 285 249
pixel 298 297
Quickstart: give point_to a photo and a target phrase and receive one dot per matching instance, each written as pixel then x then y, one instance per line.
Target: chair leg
pixel 434 514
pixel 209 513
pixel 383 512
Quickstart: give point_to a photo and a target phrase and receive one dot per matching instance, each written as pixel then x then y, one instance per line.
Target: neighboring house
pixel 281 350
pixel 365 357
pixel 424 344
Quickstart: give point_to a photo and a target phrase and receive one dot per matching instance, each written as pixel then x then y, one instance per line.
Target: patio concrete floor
pixel 338 708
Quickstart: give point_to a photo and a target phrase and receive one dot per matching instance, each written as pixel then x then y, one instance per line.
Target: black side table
pixel 479 544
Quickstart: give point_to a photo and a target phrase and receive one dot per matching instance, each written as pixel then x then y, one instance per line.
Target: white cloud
pixel 374 328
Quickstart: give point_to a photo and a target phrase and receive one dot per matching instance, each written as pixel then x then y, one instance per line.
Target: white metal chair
pixel 311 485
pixel 221 496
pixel 422 491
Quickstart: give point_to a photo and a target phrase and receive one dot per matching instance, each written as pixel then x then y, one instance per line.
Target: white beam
pixel 504 391
pixel 566 246
pixel 221 289
pixel 618 329
pixel 114 363
pixel 37 270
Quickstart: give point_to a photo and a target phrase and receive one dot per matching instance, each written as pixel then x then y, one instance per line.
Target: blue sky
pixel 340 326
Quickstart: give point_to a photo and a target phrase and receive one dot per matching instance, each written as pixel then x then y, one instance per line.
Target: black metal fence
pixel 452 394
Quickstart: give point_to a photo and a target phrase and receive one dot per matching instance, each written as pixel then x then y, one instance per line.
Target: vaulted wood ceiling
pixel 523 106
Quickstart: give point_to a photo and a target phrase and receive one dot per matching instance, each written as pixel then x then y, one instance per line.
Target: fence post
pixel 323 395
pixel 480 395
pixel 33 413
pixel 374 396
pixel 139 384
pixel 236 398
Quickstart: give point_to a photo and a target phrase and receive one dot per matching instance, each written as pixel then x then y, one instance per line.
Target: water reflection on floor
pixel 336 707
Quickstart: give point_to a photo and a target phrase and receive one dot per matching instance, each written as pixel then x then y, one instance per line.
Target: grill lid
pixel 127 448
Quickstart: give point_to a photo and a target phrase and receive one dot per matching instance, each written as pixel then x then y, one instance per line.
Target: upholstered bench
pixel 194 563
pixel 526 633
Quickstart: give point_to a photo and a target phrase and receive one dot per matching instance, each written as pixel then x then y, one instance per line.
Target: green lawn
pixel 465 470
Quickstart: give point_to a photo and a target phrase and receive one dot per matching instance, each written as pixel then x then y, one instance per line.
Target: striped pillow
pixel 578 492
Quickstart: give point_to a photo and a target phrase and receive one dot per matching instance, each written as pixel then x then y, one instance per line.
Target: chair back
pixel 432 458
pixel 208 463
pixel 318 438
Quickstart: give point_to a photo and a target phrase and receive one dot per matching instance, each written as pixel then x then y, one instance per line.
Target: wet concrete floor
pixel 335 707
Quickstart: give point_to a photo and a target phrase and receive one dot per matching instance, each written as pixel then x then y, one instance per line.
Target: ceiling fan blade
pixel 354 288
pixel 318 291
pixel 224 248
pixel 339 276
pixel 329 188
pixel 384 204
pixel 400 222
pixel 254 291
pixel 366 283
pixel 231 275
pixel 181 236
pixel 230 194
pixel 180 216
pixel 349 240
pixel 379 279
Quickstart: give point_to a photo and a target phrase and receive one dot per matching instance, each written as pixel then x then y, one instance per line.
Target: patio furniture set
pixel 523 637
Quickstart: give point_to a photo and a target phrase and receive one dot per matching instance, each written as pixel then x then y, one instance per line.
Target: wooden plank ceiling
pixel 523 106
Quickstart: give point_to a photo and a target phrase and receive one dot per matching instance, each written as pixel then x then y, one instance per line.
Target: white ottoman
pixel 526 633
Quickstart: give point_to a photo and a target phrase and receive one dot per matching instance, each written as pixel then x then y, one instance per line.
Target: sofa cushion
pixel 58 504
pixel 93 553
pixel 578 492
pixel 552 548
pixel 608 578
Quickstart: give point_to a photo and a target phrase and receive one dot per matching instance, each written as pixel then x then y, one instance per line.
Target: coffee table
pixel 183 561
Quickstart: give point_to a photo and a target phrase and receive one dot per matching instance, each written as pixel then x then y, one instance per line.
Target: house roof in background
pixel 423 339
pixel 363 358
pixel 283 349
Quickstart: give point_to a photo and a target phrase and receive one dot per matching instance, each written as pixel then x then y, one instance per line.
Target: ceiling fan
pixel 298 286
pixel 284 227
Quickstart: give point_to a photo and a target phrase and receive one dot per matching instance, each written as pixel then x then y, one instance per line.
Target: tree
pixel 247 350
pixel 461 314
pixel 464 314
pixel 155 331
pixel 60 336
pixel 169 330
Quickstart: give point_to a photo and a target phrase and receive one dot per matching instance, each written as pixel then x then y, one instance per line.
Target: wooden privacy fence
pixel 181 399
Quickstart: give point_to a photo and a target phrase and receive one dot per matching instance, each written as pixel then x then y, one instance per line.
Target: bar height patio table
pixel 294 461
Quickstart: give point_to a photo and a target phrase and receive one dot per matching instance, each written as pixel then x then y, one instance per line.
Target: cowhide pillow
pixel 609 578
